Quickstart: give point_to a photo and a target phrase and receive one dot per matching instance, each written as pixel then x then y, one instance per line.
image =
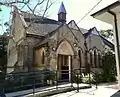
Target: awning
pixel 104 14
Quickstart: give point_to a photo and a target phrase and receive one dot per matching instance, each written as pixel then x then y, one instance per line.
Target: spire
pixel 62 13
pixel 62 9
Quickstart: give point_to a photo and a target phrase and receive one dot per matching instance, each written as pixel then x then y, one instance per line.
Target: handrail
pixel 95 76
pixel 27 80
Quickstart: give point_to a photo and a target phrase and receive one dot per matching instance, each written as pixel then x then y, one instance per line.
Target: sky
pixel 76 9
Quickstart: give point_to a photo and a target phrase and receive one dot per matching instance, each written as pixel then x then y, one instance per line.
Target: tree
pixel 35 7
pixel 108 34
pixel 3 53
pixel 0 9
pixel 109 66
pixel 32 5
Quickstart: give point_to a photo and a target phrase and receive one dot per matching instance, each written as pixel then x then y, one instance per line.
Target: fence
pixel 45 78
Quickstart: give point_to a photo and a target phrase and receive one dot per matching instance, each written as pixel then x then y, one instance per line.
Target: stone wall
pixel 65 34
pixel 95 41
pixel 32 42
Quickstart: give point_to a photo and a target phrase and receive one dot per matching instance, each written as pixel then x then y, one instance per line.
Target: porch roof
pixel 104 14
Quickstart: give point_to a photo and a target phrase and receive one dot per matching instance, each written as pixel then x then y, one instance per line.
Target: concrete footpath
pixel 45 91
pixel 103 90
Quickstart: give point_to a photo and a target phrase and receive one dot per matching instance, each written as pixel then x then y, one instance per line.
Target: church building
pixel 38 42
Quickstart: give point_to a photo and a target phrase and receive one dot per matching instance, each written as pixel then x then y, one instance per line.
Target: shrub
pixel 109 67
pixel 26 80
pixel 89 78
pixel 84 78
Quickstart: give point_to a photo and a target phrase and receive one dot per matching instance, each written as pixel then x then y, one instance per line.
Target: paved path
pixel 104 90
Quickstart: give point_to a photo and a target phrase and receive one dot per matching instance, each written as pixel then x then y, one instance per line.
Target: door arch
pixel 65 48
pixel 64 64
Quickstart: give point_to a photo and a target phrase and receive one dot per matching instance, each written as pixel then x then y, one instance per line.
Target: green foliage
pixel 0 9
pixel 84 78
pixel 107 33
pixel 22 81
pixel 99 78
pixel 109 67
pixel 77 78
pixel 3 53
pixel 89 78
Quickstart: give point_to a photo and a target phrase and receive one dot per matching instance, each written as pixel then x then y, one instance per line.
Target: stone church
pixel 38 43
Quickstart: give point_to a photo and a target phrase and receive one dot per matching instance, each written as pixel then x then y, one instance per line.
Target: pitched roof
pixel 108 43
pixel 41 25
pixel 88 33
pixel 83 30
pixel 41 29
pixel 91 31
pixel 42 20
pixel 105 41
pixel 47 36
pixel 72 25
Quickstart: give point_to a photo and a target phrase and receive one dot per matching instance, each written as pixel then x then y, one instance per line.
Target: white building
pixel 111 15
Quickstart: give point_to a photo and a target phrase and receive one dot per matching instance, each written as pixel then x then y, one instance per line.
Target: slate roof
pixel 108 43
pixel 42 20
pixel 83 30
pixel 40 26
pixel 88 33
pixel 72 25
pixel 41 29
pixel 62 9
pixel 44 27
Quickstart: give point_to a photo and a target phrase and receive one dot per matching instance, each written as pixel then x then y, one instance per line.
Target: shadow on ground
pixel 117 94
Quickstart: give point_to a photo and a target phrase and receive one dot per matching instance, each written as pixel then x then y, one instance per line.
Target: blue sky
pixel 76 9
pixel 4 16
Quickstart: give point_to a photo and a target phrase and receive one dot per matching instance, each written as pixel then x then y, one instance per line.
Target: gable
pixel 71 35
pixel 18 25
pixel 73 25
pixel 76 31
pixel 95 41
pixel 94 31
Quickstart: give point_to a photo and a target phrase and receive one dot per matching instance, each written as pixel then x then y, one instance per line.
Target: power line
pixel 87 14
pixel 89 11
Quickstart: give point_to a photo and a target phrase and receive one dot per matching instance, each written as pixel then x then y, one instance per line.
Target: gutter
pixel 111 6
pixel 117 39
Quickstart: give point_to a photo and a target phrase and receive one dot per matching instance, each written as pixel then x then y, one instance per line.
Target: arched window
pixel 43 58
pixel 80 60
pixel 99 59
pixel 91 63
pixel 95 58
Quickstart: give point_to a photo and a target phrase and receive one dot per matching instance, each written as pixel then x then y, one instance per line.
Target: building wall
pixel 27 56
pixel 18 26
pixel 65 34
pixel 17 35
pixel 29 59
pixel 95 41
pixel 12 55
pixel 95 45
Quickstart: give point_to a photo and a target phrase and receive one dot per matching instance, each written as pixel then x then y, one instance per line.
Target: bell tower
pixel 62 13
